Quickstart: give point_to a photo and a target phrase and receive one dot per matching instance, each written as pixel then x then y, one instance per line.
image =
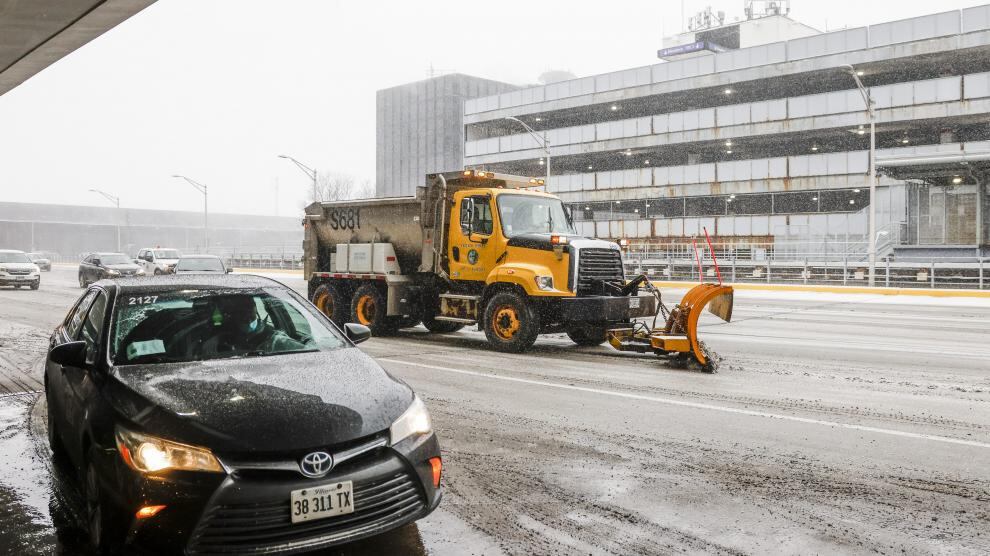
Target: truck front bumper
pixel 608 309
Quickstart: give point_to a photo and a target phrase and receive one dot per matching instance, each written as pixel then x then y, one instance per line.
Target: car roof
pixel 173 282
pixel 10 251
pixel 200 257
pixel 101 253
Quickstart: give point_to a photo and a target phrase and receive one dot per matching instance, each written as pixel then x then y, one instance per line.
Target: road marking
pixel 964 351
pixel 697 405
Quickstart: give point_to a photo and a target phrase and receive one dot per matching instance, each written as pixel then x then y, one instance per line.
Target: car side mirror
pixel 69 354
pixel 229 270
pixel 96 262
pixel 136 261
pixel 357 333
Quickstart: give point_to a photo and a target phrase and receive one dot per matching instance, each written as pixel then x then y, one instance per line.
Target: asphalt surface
pixel 836 424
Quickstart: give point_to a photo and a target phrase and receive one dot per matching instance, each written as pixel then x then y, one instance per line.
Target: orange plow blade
pixel 684 317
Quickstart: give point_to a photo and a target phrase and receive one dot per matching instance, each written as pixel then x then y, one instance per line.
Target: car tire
pixel 369 307
pixel 511 323
pixel 158 272
pixel 59 455
pixel 36 285
pixel 330 300
pixel 104 525
pixel 587 335
pixel 431 307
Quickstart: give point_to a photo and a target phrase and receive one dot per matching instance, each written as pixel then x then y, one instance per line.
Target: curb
pixel 985 294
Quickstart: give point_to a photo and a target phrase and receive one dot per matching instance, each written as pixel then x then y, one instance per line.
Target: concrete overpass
pixel 35 34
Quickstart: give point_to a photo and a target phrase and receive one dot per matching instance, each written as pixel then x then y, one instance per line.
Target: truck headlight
pixel 415 420
pixel 150 454
pixel 544 282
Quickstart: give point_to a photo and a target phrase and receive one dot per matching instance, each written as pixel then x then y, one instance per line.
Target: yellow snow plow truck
pixel 478 248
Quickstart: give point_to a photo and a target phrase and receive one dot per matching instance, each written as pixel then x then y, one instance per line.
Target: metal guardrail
pixel 971 273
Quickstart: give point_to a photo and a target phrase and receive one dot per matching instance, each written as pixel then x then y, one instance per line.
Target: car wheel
pixel 331 302
pixel 104 525
pixel 431 306
pixel 511 324
pixel 158 272
pixel 59 454
pixel 369 307
pixel 587 335
pixel 36 285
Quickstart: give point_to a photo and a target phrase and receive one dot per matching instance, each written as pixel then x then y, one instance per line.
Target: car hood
pixel 122 266
pixel 167 261
pixel 262 404
pixel 18 266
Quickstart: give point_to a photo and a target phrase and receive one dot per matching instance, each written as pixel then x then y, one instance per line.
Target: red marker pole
pixel 714 260
pixel 697 255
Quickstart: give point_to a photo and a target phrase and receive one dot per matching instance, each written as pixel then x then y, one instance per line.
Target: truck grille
pixel 267 528
pixel 595 265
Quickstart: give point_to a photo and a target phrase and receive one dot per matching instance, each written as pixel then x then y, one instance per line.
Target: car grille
pixel 595 265
pixel 18 272
pixel 267 528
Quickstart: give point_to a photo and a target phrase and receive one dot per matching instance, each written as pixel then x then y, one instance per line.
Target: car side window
pixel 75 320
pixel 92 328
pixel 88 259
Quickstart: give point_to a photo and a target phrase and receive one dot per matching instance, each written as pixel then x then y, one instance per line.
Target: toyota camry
pixel 225 414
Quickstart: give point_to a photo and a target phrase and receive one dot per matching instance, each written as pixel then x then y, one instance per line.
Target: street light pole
pixel 206 227
pixel 868 99
pixel 309 172
pixel 545 143
pixel 115 201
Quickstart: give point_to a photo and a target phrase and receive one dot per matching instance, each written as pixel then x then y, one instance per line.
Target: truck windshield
pixel 525 214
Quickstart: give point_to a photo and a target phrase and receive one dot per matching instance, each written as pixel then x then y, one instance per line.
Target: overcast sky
pixel 216 89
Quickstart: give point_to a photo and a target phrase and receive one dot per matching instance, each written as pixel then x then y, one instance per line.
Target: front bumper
pixel 601 308
pixel 248 512
pixel 19 279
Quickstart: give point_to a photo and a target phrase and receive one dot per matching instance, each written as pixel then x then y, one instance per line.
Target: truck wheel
pixel 511 324
pixel 368 307
pixel 332 303
pixel 587 335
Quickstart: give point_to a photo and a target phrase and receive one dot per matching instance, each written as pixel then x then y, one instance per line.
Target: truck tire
pixel 369 307
pixel 511 324
pixel 587 335
pixel 332 303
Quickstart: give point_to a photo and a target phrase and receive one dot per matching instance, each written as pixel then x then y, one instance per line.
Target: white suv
pixel 158 260
pixel 16 269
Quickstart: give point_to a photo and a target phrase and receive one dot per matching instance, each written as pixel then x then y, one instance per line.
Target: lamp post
pixel 309 172
pixel 868 99
pixel 544 142
pixel 202 189
pixel 115 201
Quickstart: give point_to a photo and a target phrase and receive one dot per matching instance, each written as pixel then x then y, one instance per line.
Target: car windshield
pixel 35 256
pixel 166 254
pixel 199 264
pixel 14 258
pixel 114 258
pixel 527 214
pixel 196 325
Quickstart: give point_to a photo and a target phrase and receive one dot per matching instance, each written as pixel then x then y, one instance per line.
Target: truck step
pixel 457 320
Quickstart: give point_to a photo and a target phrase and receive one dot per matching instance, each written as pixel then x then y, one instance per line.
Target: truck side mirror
pixel 467 215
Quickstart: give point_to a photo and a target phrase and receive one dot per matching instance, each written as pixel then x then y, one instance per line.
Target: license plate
pixel 323 501
pixel 634 303
pixel 22 277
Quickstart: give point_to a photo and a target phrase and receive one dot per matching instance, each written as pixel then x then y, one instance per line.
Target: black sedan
pixel 97 266
pixel 225 414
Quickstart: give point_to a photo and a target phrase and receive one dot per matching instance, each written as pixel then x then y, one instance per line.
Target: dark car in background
pixel 97 266
pixel 226 414
pixel 43 262
pixel 200 264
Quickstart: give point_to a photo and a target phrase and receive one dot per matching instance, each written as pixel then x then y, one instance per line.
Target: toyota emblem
pixel 316 464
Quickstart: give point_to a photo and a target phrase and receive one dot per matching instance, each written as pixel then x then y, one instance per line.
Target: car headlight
pixel 150 454
pixel 415 420
pixel 3 269
pixel 544 282
pixel 139 272
pixel 113 273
